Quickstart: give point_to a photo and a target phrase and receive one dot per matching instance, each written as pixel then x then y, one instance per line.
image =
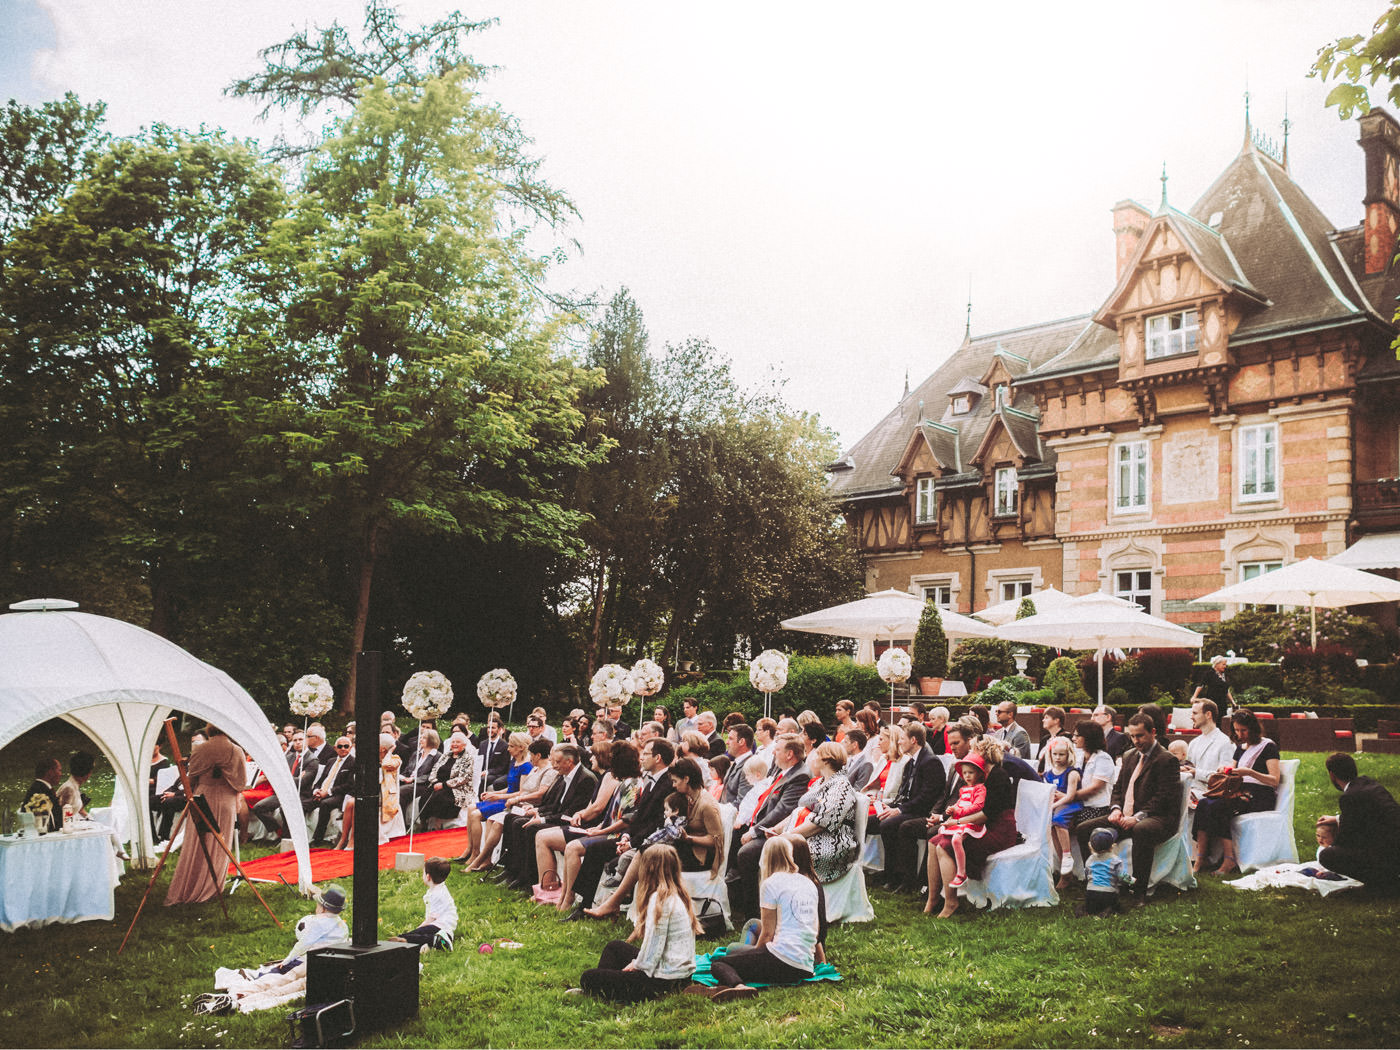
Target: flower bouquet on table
pixel 612 684
pixel 496 688
pixel 41 806
pixel 311 696
pixel 427 695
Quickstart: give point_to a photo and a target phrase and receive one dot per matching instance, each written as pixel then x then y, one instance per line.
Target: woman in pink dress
pixel 217 770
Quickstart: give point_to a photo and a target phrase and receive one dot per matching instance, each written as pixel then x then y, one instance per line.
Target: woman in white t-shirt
pixel 1095 780
pixel 787 938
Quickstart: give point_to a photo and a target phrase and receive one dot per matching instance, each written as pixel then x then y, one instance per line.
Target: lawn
pixel 1215 967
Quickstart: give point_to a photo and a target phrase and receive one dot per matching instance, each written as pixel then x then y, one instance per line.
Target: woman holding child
pixel 993 829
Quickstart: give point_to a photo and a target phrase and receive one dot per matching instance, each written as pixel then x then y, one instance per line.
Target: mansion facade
pixel 1233 405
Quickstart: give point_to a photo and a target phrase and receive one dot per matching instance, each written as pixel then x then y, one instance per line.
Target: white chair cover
pixel 1019 876
pixel 846 899
pixel 699 883
pixel 1171 863
pixel 1264 839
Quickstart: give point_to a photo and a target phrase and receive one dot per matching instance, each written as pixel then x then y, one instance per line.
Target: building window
pixel 1135 585
pixel 1252 570
pixel 1014 589
pixel 1006 502
pixel 1001 395
pixel 925 504
pixel 1259 462
pixel 962 404
pixel 1172 334
pixel 941 594
pixel 1131 475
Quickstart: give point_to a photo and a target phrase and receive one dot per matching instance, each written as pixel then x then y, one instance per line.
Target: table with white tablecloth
pixel 59 877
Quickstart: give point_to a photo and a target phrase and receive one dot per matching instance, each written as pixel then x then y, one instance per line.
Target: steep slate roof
pixel 876 454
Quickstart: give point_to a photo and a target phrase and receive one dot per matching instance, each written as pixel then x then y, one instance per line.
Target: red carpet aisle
pixel 338 864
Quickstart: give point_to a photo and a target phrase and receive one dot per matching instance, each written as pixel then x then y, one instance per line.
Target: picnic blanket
pixel 1307 876
pixel 702 975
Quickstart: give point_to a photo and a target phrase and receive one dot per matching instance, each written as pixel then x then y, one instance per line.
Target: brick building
pixel 1229 407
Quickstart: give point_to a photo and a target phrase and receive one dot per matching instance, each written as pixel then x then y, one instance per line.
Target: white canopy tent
pixel 118 683
pixel 1004 612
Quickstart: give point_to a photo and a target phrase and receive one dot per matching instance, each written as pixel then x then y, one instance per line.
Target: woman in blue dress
pixel 491 802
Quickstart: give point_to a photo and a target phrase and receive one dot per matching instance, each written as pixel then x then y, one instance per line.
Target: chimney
pixel 1129 222
pixel 1380 139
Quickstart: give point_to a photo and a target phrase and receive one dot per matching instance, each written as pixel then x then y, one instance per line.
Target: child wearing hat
pixel 1103 874
pixel 972 800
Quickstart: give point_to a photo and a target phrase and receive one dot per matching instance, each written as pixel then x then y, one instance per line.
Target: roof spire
pixel 906 383
pixel 1248 129
pixel 1286 125
pixel 1163 206
pixel 967 329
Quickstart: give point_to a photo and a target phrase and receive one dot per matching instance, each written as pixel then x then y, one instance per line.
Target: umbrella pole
pixel 1100 654
pixel 1312 608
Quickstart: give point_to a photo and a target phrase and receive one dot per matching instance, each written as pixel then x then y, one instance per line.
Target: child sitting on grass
pixel 440 910
pixel 276 983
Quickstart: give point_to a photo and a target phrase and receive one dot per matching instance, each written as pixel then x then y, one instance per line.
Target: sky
pixel 816 188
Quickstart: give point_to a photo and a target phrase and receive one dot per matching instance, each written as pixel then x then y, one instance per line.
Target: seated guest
pixel 1146 802
pixel 1052 725
pixel 859 768
pixel 452 785
pixel 740 743
pixel 1096 777
pixel 815 734
pixel 618 767
pixel 532 775
pixel 334 781
pixel 1114 742
pixel 785 952
pixel 802 857
pixel 547 730
pixel 1256 760
pixel 983 716
pixel 621 730
pixel 566 796
pixel 665 924
pixel 48 773
pixel 826 814
pixel 70 792
pixel 998 816
pixel 765 731
pixel 921 785
pixel 756 777
pixel 1061 774
pixel 1362 840
pixel 883 785
pixel 1159 719
pixel 845 719
pixel 415 775
pixel 936 722
pixel 720 768
pixel 1207 752
pixel 708 726
pixel 1012 734
pixel 390 816
pixel 779 799
pixel 304 774
pixel 694 746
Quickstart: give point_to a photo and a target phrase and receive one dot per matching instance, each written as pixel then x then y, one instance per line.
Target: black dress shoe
pixel 514 884
pixel 575 916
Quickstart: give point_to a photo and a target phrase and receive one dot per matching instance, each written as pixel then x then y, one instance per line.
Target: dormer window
pixel 1171 334
pixel 962 404
pixel 1001 395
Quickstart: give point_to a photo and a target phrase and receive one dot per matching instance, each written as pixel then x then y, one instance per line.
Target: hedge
pixel 814 683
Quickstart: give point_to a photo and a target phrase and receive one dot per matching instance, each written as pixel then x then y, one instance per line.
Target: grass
pixel 1215 967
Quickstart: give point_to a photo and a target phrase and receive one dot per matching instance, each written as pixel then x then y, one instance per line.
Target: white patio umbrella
pixel 886 614
pixel 1005 612
pixel 1099 621
pixel 1312 583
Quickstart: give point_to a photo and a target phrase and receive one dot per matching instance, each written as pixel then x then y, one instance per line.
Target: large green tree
pixel 1360 62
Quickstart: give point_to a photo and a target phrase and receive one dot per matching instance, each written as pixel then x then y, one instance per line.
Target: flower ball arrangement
pixel 894 665
pixel 611 684
pixel 769 671
pixel 311 696
pixel 427 695
pixel 647 677
pixel 496 688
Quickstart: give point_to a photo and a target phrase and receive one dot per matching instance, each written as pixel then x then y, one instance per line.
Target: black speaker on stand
pixel 379 979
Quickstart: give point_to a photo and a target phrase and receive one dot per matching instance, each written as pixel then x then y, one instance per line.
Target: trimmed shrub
pixel 1118 699
pixel 981 658
pixel 930 655
pixel 1245 676
pixel 1254 695
pixel 1063 681
pixel 1312 672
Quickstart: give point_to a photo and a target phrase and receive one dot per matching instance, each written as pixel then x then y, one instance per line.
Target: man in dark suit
pixel 316 744
pixel 48 773
pixel 921 786
pixel 493 758
pixel 332 783
pixel 1114 742
pixel 621 730
pixel 656 757
pixel 304 771
pixel 740 747
pixel 780 799
pixel 1146 803
pixel 707 725
pixel 1362 840
pixel 414 776
pixel 565 797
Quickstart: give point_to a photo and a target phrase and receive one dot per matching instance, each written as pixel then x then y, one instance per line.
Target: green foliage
pixel 1360 62
pixel 43 152
pixel 1262 636
pixel 980 658
pixel 930 655
pixel 1064 682
pixel 1117 698
pixel 1317 672
pixel 1026 608
pixel 1244 676
pixel 1253 695
pixel 814 683
pixel 1012 688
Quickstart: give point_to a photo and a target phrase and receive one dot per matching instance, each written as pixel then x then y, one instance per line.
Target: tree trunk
pixel 596 629
pixel 368 556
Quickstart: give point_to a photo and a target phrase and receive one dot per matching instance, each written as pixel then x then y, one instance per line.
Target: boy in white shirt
pixel 439 909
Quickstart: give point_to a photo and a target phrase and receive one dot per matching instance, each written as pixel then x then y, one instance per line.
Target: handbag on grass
pixel 547 890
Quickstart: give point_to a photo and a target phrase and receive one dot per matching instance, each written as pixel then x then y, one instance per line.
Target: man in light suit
pixel 1012 735
pixel 1146 803
pixel 1362 839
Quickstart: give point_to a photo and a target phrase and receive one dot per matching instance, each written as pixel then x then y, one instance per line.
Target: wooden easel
pixel 203 827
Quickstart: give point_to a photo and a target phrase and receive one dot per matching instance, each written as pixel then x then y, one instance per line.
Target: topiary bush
pixel 977 658
pixel 1063 681
pixel 930 655
pixel 1118 699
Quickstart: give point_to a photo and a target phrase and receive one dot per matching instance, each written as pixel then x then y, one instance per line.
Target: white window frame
pixel 1259 463
pixel 1007 502
pixel 1252 570
pixel 962 404
pixel 1138 586
pixel 1132 476
pixel 941 593
pixel 1173 334
pixel 1015 589
pixel 925 502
